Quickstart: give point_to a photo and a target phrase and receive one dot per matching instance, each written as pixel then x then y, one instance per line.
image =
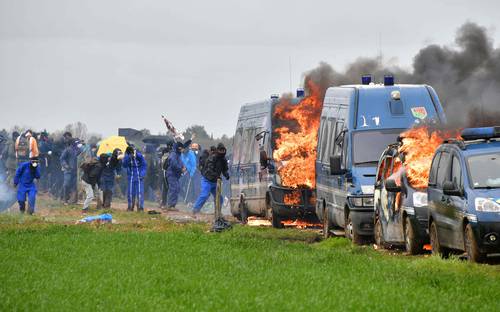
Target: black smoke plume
pixel 466 78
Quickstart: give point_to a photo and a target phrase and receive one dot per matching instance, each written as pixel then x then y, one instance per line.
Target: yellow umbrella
pixel 109 144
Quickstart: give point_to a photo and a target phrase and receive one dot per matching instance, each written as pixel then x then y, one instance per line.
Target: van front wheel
pixel 276 220
pixel 412 242
pixel 351 232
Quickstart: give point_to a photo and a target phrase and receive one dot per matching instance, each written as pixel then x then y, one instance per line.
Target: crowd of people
pixel 166 174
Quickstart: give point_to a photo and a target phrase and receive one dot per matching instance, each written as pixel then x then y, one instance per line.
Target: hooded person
pixel 112 169
pixel 188 158
pixel 136 167
pixel 26 173
pixel 69 162
pixel 174 171
pixel 165 152
pixel 91 178
pixel 213 168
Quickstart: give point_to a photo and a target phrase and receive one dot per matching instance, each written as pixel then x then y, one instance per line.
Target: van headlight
pixel 419 199
pixel 486 205
pixel 361 201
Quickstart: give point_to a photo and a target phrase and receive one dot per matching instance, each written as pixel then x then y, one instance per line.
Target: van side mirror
pixel 335 166
pixel 451 189
pixel 391 186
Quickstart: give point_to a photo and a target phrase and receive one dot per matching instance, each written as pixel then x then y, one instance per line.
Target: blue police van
pixel 464 195
pixel 357 123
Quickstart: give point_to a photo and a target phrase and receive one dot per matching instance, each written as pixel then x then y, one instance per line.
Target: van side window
pixel 456 171
pixel 338 139
pixel 329 134
pixel 443 173
pixel 433 173
pixel 323 138
pixel 344 148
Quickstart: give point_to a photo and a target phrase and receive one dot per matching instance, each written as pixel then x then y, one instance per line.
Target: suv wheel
pixel 437 249
pixel 351 233
pixel 412 242
pixel 378 235
pixel 471 247
pixel 326 223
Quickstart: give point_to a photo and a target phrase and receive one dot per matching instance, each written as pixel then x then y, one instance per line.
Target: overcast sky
pixel 123 63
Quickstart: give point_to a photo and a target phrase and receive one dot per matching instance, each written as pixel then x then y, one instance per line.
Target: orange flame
pixel 300 224
pixel 419 145
pixel 295 149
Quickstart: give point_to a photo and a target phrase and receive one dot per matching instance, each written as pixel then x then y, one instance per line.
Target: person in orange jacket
pixel 26 147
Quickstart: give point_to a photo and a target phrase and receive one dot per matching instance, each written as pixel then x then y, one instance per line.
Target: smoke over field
pixel 466 77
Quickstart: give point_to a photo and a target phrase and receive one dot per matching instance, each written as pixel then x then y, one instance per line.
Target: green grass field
pixel 153 264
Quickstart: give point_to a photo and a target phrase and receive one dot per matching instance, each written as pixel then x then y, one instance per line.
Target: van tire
pixel 412 243
pixel 437 249
pixel 471 247
pixel 378 234
pixel 243 210
pixel 326 223
pixel 350 232
pixel 276 220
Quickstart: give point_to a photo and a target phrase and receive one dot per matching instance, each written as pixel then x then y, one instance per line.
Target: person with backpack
pixel 213 167
pixel 112 168
pixel 91 178
pixel 136 167
pixel 26 147
pixel 26 173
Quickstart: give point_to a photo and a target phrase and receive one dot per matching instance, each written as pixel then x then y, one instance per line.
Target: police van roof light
pixel 366 79
pixel 300 92
pixel 275 96
pixel 388 80
pixel 484 133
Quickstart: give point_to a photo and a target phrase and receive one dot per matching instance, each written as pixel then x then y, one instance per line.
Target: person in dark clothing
pixel 136 167
pixel 69 158
pixel 92 170
pixel 165 152
pixel 212 169
pixel 26 173
pixel 112 168
pixel 151 178
pixel 9 157
pixel 174 171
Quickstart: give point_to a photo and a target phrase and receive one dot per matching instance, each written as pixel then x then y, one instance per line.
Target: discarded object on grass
pixel 220 224
pixel 153 212
pixel 103 218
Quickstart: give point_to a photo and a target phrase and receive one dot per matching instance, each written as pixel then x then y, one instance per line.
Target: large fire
pixel 295 143
pixel 419 145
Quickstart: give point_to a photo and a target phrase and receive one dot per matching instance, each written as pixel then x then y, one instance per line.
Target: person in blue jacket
pixel 26 173
pixel 112 168
pixel 174 171
pixel 136 167
pixel 188 158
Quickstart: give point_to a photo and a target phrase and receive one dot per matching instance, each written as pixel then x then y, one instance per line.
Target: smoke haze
pixel 466 78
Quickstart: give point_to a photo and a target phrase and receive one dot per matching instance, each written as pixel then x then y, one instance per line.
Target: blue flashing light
pixel 366 79
pixel 388 80
pixel 484 133
pixel 275 96
pixel 300 92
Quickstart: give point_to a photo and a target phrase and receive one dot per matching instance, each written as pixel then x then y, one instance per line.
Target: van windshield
pixel 369 145
pixel 485 170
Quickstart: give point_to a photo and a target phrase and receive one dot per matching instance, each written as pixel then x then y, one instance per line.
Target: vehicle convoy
pixel 401 212
pixel 357 123
pixel 256 188
pixel 464 195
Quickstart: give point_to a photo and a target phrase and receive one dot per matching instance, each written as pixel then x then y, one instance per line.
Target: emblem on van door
pixel 419 112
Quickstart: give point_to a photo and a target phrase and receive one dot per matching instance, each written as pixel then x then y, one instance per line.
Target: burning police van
pixel 464 195
pixel 357 123
pixel 272 169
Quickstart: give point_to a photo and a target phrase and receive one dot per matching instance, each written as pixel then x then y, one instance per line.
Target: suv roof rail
pixel 460 143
